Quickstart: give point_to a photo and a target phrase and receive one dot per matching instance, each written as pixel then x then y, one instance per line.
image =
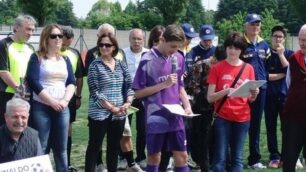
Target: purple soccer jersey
pixel 153 69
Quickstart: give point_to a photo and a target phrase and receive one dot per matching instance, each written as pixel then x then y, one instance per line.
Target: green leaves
pixel 236 23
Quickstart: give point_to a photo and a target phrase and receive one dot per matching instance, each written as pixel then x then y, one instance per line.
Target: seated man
pixel 17 140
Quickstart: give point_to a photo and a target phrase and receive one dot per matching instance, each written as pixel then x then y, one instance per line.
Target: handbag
pixel 215 114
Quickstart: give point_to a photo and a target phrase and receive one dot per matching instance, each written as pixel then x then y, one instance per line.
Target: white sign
pixel 35 164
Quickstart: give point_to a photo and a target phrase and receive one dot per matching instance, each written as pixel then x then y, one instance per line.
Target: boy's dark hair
pixel 220 52
pixel 237 40
pixel 68 32
pixel 155 33
pixel 279 28
pixel 174 33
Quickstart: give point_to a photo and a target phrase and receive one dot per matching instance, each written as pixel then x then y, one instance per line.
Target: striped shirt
pixel 105 85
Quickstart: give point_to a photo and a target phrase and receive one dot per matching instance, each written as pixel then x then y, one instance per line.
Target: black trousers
pixel 294 138
pixel 141 130
pixel 97 131
pixel 200 142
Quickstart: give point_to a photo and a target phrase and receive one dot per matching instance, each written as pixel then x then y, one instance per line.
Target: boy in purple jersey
pixel 158 81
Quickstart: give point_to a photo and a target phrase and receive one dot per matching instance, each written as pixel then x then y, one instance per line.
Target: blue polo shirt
pixel 198 51
pixel 257 54
pixel 274 65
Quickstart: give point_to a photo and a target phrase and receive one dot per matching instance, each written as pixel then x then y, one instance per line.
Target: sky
pixel 82 7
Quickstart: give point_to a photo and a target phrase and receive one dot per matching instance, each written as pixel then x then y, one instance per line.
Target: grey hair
pixel 22 18
pixel 14 103
pixel 137 29
pixel 68 31
pixel 303 29
pixel 106 25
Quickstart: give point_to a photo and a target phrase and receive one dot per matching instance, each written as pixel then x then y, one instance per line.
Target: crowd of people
pixel 199 80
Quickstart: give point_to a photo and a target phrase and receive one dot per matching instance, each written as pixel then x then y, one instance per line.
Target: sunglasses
pixel 101 45
pixel 53 36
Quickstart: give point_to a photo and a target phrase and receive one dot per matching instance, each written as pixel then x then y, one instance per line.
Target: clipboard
pixel 244 89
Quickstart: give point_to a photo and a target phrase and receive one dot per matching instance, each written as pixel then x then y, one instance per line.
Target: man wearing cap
pixel 204 50
pixel 256 54
pixel 189 34
pixel 200 126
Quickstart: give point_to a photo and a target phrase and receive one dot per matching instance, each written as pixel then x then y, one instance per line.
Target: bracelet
pixel 78 97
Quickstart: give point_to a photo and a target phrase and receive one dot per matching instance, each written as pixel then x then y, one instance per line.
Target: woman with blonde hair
pixel 51 79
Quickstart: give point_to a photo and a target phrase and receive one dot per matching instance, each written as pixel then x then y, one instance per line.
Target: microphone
pixel 173 64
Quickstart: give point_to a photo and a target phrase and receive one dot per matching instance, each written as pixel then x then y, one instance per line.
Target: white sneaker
pixel 134 168
pixel 142 164
pixel 257 166
pixel 298 164
pixel 122 164
pixel 101 168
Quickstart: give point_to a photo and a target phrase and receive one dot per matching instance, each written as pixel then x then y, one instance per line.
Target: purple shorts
pixel 170 141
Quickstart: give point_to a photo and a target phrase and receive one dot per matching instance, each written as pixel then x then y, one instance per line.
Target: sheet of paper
pixel 244 89
pixel 178 110
pixel 132 110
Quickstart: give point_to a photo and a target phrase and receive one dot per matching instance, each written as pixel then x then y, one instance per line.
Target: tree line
pixel 146 14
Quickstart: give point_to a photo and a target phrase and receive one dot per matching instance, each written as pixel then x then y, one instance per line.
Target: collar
pixel 259 39
pixel 158 54
pixel 8 133
pixel 300 58
pixel 204 48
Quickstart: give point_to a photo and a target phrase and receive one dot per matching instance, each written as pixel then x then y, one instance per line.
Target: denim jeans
pixel 53 130
pixel 97 131
pixel 229 134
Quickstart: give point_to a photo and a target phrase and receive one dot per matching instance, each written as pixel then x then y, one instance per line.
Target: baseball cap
pixel 188 30
pixel 252 18
pixel 207 32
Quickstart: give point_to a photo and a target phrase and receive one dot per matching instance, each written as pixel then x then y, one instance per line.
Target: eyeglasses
pixel 106 45
pixel 278 36
pixel 54 36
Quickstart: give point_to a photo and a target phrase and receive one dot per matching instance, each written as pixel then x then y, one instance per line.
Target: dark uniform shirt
pixel 274 66
pixel 200 52
pixel 257 54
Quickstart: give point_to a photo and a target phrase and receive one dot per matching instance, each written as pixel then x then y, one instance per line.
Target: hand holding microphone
pixel 172 79
pixel 173 64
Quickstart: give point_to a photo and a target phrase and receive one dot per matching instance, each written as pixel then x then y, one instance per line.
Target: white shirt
pixel 52 77
pixel 133 59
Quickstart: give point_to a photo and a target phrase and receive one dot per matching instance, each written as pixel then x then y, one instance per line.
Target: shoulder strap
pixel 232 86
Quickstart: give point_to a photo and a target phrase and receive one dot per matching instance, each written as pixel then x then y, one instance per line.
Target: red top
pixel 223 75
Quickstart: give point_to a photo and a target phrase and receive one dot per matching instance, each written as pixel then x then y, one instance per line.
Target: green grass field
pixel 80 138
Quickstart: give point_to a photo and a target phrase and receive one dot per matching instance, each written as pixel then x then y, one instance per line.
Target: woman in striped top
pixel 110 95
